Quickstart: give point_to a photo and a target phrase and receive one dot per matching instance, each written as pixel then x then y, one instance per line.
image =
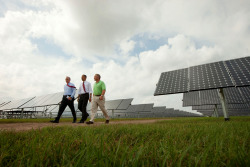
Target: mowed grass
pixel 180 142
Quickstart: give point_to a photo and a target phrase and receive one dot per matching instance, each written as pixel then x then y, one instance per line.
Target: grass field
pixel 179 142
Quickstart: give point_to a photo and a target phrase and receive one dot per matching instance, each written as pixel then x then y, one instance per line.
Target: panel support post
pixel 22 113
pixel 113 114
pixel 216 111
pixel 223 104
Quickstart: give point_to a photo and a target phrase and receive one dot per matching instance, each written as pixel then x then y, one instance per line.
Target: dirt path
pixel 30 126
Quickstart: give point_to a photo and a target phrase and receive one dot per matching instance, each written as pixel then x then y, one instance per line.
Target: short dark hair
pixel 84 75
pixel 98 75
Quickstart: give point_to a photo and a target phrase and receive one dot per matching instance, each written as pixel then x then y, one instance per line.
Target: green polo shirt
pixel 98 88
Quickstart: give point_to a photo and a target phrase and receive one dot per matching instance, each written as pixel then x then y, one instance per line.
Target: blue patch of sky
pixel 148 42
pixel 17 5
pixel 48 48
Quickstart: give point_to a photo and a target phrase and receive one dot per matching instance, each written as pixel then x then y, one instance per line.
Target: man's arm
pixel 78 97
pixel 102 95
pixel 73 93
pixel 90 92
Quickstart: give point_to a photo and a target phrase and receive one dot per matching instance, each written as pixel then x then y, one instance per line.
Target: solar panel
pixel 173 82
pixel 132 108
pixel 203 107
pixel 44 100
pixel 139 107
pixel 5 103
pixel 216 75
pixel 158 109
pixel 125 104
pixel 112 104
pixel 191 99
pixel 211 107
pixel 209 76
pixel 35 101
pixel 205 97
pixel 239 70
pixel 16 104
pixel 148 107
pixel 209 97
pixel 54 99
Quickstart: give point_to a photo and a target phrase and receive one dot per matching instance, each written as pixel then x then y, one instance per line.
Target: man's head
pixel 67 79
pixel 97 77
pixel 84 77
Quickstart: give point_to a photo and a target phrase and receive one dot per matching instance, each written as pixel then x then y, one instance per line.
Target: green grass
pixel 179 142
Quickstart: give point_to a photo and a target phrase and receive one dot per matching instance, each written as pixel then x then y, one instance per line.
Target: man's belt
pixel 83 94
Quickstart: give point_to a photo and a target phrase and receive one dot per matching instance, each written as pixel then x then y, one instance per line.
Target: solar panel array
pixel 221 74
pixel 230 106
pixel 15 104
pixel 240 112
pixel 205 97
pixel 48 105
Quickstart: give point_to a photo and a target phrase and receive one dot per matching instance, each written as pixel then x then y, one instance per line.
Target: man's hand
pixel 69 98
pixel 77 99
pixel 90 99
pixel 101 97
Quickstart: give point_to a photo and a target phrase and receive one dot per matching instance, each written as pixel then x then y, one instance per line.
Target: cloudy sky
pixel 128 42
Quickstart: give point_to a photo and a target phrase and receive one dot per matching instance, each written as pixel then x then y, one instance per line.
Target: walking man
pixel 67 100
pixel 84 95
pixel 98 99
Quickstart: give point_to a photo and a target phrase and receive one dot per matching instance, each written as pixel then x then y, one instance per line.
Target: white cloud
pixel 126 46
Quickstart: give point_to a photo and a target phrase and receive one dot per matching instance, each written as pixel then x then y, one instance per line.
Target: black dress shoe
pixel 107 122
pixel 86 117
pixel 90 122
pixel 74 121
pixel 81 122
pixel 54 121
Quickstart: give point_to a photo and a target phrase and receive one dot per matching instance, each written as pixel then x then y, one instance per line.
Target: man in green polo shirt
pixel 98 99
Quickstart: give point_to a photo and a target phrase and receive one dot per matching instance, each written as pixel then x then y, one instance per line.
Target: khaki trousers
pixel 101 103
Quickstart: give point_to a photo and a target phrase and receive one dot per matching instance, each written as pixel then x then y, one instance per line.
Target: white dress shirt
pixel 69 90
pixel 88 88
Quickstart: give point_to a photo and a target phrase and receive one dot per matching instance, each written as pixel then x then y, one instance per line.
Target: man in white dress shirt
pixel 84 95
pixel 67 100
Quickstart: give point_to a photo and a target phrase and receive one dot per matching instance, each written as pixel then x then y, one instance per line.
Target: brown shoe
pixel 89 122
pixel 107 122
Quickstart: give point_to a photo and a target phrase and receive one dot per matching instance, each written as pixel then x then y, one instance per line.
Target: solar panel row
pixel 233 95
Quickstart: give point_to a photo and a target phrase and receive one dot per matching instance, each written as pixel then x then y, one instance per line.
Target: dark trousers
pixel 64 103
pixel 82 105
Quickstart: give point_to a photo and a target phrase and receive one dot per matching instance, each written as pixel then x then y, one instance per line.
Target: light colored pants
pixel 101 103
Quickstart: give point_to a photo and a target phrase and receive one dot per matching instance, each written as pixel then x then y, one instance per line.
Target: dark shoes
pixel 107 122
pixel 54 121
pixel 81 122
pixel 89 122
pixel 74 121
